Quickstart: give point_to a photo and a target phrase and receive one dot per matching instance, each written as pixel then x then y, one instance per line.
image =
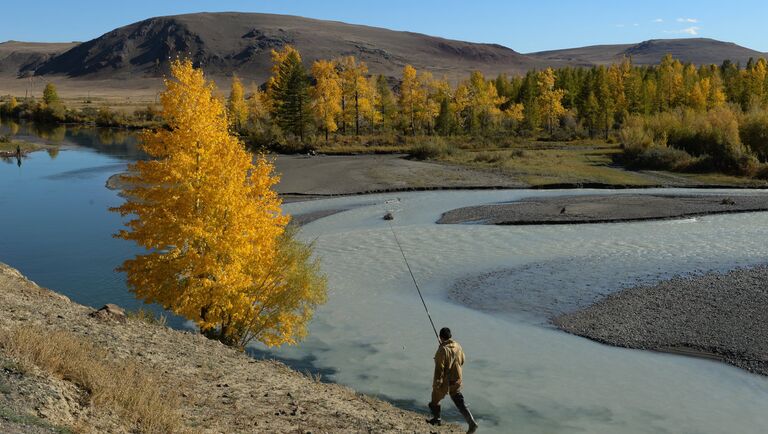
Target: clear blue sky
pixel 521 25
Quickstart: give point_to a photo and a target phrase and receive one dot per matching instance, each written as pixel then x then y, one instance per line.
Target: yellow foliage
pixel 211 223
pixel 326 96
pixel 416 107
pixel 358 94
pixel 238 109
pixel 258 106
pixel 550 99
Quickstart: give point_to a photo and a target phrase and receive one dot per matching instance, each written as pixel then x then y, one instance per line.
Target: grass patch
pixel 127 388
pixel 538 163
pixel 148 317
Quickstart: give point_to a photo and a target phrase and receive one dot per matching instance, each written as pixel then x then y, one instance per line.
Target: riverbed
pixel 496 287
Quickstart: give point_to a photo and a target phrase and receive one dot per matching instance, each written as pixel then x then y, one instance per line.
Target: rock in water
pixel 389 216
pixel 110 312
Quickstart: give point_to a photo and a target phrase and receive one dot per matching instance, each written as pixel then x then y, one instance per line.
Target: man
pixel 449 359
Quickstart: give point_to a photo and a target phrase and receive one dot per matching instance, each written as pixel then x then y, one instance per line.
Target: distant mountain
pixel 241 42
pixel 21 58
pixel 700 51
pixel 135 56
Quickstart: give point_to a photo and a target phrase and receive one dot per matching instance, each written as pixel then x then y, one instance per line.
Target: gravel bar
pixel 718 316
pixel 604 209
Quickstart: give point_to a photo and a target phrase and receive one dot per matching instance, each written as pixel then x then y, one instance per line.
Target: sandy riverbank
pixel 717 316
pixel 304 177
pixel 604 209
pixel 218 389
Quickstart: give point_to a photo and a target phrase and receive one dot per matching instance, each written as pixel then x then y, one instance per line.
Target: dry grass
pixel 148 317
pixel 127 388
pixel 541 163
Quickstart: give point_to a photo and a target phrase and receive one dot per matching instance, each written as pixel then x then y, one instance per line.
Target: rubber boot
pixel 435 409
pixel 458 399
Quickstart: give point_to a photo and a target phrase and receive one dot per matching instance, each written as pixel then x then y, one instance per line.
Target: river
pixel 494 286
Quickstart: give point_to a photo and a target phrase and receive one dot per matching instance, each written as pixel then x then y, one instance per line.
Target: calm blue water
pixel 56 227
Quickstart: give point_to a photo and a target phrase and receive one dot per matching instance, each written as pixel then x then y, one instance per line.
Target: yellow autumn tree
pixel 258 108
pixel 356 92
pixel 371 101
pixel 697 96
pixel 483 102
pixel 716 96
pixel 513 115
pixel 413 99
pixel 670 83
pixel 326 96
pixel 205 211
pixel 549 99
pixel 431 103
pixel 238 109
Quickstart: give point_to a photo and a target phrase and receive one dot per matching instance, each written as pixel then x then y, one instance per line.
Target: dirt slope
pixel 219 389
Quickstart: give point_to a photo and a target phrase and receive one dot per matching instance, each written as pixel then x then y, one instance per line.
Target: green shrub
pixel 712 137
pixel 753 131
pixel 657 158
pixel 431 148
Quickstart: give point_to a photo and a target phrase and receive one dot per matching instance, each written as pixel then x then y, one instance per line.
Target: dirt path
pixel 220 390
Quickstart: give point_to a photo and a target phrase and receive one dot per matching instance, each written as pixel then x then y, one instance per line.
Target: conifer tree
pixel 386 104
pixel 289 92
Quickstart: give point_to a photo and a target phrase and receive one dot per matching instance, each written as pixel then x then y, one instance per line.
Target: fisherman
pixel 449 359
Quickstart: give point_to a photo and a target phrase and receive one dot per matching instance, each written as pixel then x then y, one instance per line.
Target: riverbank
pixel 304 177
pixel 206 386
pixel 716 316
pixel 604 209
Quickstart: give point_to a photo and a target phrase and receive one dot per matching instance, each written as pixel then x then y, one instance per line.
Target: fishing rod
pixel 414 279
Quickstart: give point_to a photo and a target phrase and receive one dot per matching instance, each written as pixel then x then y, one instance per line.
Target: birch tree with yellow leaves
pixel 326 96
pixel 550 99
pixel 217 249
pixel 238 109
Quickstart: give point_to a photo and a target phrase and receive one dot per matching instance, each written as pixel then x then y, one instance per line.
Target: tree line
pixel 340 97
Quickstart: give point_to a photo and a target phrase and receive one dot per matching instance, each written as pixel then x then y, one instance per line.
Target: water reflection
pixel 114 142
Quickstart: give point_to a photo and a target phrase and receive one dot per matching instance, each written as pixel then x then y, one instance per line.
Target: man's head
pixel 445 334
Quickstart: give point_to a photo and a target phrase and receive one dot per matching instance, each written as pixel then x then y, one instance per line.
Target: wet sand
pixel 604 209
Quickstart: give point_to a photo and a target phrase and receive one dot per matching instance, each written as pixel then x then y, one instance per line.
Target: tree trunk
pixel 357 114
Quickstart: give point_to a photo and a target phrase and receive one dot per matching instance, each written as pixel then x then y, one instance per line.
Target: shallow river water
pixel 495 286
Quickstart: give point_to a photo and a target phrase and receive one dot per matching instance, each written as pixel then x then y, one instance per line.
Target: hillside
pixel 22 58
pixel 241 42
pixel 173 377
pixel 700 51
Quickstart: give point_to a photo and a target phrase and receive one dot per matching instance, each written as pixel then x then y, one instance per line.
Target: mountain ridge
pixel 699 51
pixel 227 43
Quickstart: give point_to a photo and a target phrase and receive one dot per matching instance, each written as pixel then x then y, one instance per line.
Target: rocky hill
pixel 65 369
pixel 700 51
pixel 241 42
pixel 22 58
